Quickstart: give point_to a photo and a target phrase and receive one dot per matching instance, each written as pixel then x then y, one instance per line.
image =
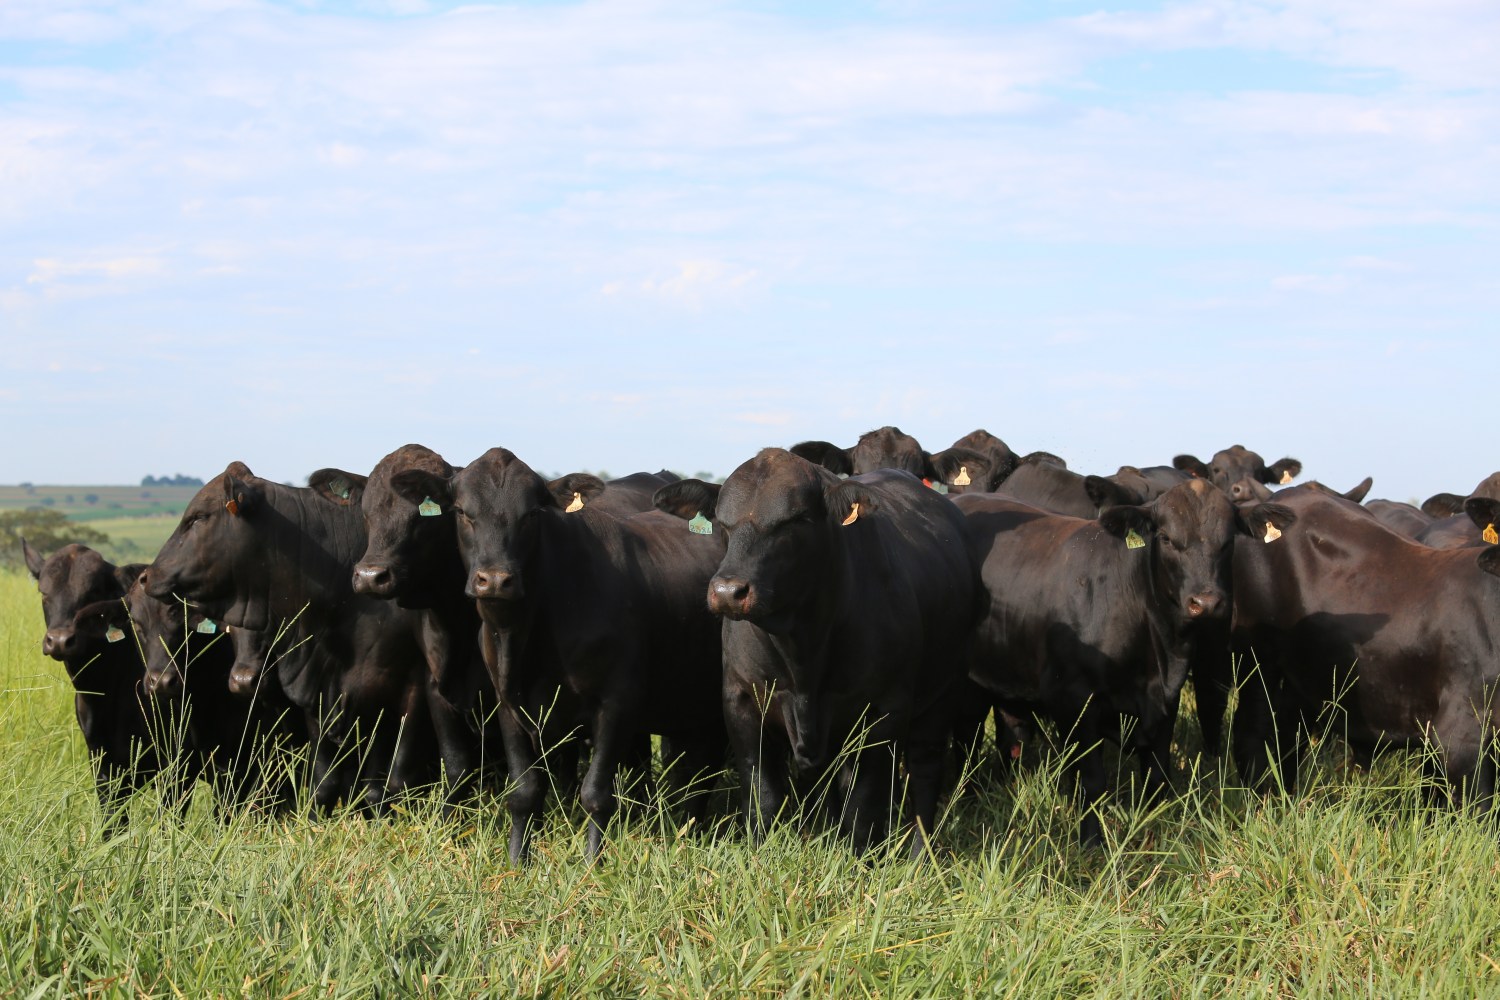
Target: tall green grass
pixel 1353 887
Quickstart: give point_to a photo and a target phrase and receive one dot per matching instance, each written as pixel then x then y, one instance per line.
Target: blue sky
pixel 637 234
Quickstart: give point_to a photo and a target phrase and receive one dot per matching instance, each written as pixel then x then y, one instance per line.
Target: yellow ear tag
pixel 577 503
pixel 853 513
pixel 233 508
pixel 1491 535
pixel 1133 540
pixel 1272 532
pixel 113 634
pixel 1286 477
pixel 429 508
pixel 962 479
pixel 208 626
pixel 701 525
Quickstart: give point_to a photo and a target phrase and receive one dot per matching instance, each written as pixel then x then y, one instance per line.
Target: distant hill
pixel 90 503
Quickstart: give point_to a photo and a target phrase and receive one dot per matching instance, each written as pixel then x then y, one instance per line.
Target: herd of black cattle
pixel 841 617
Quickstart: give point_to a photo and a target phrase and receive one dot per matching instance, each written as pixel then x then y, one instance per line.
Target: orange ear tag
pixel 233 508
pixel 962 479
pixel 853 513
pixel 577 503
pixel 1491 535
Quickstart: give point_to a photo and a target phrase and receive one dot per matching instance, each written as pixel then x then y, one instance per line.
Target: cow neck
pixel 311 547
pixel 115 671
pixel 570 556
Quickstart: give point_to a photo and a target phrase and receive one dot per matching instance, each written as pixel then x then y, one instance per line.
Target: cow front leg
pixel 763 775
pixel 611 742
pixel 528 783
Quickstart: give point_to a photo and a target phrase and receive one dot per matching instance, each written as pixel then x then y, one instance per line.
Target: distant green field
pixel 93 503
pixel 134 539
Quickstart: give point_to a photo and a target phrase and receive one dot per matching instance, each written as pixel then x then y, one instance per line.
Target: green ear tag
pixel 940 487
pixel 429 507
pixel 113 634
pixel 341 487
pixel 701 525
pixel 1133 540
pixel 208 626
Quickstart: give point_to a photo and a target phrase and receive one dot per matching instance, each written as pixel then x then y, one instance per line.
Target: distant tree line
pixel 177 480
pixel 46 530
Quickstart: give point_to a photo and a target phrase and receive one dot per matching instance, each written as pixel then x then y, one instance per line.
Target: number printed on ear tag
pixel 113 634
pixel 1272 533
pixel 429 507
pixel 962 479
pixel 1133 540
pixel 701 525
pixel 208 626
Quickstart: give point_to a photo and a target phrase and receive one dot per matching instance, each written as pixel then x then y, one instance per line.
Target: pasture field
pixel 1351 887
pixel 92 503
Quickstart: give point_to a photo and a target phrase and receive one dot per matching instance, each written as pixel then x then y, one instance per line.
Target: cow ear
pixel 576 487
pixel 1443 505
pixel 829 456
pixel 241 496
pixel 34 559
pixel 1248 490
pixel 417 486
pixel 1258 521
pixel 1106 493
pixel 338 487
pixel 93 620
pixel 1483 511
pixel 1360 490
pixel 1282 472
pixel 964 468
pixel 841 498
pixel 129 575
pixel 1122 521
pixel 687 498
pixel 1489 559
pixel 1191 465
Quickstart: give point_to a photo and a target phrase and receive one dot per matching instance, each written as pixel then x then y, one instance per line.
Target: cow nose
pixel 374 580
pixel 730 596
pixel 492 584
pixel 1201 605
pixel 164 683
pixel 59 643
pixel 243 678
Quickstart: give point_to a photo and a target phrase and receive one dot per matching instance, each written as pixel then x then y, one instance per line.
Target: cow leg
pixel 924 776
pixel 611 742
pixel 1211 670
pixel 528 785
pixel 1153 751
pixel 455 746
pixel 1263 734
pixel 763 776
pixel 871 797
pixel 114 793
pixel 1089 776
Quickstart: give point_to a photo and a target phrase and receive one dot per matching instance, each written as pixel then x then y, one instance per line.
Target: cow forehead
pixel 772 485
pixel 1194 504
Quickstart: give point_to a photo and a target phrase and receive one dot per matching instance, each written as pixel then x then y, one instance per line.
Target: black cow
pixel 1040 482
pixel 118 724
pixel 1402 518
pixel 235 743
pixel 593 623
pixel 958 468
pixel 1149 482
pixel 1091 621
pixel 1238 462
pixel 848 606
pixel 1390 642
pixel 1252 491
pixel 1441 505
pixel 255 554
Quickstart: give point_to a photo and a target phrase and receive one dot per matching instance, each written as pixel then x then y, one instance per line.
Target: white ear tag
pixel 113 634
pixel 853 513
pixel 701 525
pixel 576 505
pixel 1133 540
pixel 208 626
pixel 1272 533
pixel 962 479
pixel 1286 477
pixel 429 507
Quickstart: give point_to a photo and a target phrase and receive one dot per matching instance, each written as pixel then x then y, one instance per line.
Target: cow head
pixel 1188 535
pixel 500 506
pixel 1238 462
pixel 214 551
pixel 411 534
pixel 74 577
pixel 883 448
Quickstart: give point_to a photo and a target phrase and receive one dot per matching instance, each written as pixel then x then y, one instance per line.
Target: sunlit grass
pixel 1352 887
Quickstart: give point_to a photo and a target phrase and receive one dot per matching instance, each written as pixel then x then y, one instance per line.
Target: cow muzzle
pixel 374 580
pixel 60 643
pixel 495 585
pixel 1205 605
pixel 164 683
pixel 731 597
pixel 243 678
